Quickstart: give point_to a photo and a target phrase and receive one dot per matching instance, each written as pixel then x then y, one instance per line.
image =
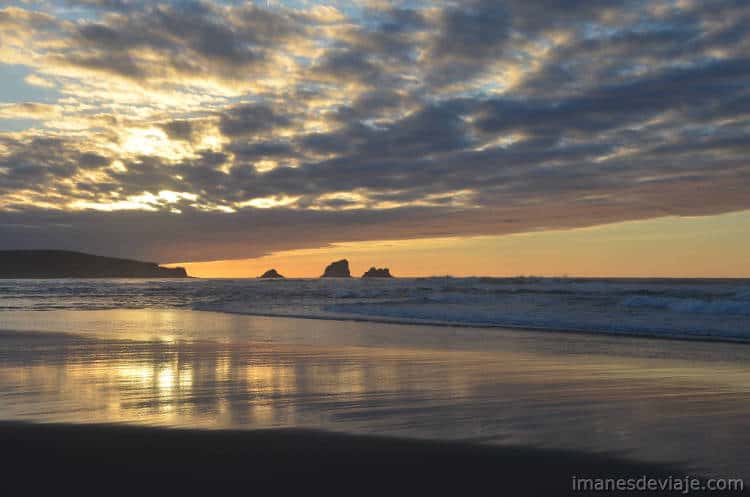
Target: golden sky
pixel 701 247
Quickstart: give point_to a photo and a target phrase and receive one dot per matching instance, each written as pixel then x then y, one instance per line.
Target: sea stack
pixel 379 272
pixel 338 269
pixel 271 274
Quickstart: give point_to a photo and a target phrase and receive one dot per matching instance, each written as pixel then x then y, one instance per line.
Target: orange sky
pixel 711 246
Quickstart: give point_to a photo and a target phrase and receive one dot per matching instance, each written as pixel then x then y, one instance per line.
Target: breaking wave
pixel 706 309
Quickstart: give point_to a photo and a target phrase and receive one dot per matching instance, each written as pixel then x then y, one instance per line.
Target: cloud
pixel 467 39
pixel 28 110
pixel 250 118
pixel 180 129
pixel 35 80
pixel 213 130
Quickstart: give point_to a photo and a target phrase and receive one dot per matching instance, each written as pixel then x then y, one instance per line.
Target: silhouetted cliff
pixel 338 269
pixel 271 273
pixel 377 273
pixel 64 264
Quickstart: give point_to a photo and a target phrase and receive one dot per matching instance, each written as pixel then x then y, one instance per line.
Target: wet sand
pixel 106 459
pixel 655 401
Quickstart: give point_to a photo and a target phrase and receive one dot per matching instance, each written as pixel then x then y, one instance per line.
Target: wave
pixel 387 315
pixel 691 306
pixel 706 309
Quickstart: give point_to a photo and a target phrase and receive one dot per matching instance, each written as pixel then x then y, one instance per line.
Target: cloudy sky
pixel 502 137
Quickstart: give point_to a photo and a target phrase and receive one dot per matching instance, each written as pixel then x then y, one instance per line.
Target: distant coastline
pixel 26 264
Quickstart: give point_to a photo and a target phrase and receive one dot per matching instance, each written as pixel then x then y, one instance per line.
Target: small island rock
pixel 377 273
pixel 338 269
pixel 271 273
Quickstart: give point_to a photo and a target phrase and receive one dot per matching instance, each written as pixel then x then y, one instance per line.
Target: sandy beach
pixel 658 402
pixel 122 459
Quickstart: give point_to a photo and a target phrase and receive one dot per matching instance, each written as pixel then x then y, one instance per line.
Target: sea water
pixel 690 308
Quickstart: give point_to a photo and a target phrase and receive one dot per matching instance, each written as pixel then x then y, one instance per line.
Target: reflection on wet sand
pixel 662 400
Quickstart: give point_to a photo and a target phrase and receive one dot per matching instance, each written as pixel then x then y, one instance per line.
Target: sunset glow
pixel 715 246
pixel 471 137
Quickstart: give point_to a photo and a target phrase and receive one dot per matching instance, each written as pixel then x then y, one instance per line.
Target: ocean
pixel 692 309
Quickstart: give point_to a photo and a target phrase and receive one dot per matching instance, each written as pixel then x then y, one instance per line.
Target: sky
pixel 549 137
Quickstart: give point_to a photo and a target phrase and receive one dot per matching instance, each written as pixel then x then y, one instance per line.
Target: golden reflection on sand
pixel 583 392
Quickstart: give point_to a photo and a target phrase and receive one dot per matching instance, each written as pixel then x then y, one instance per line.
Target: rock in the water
pixel 271 273
pixel 380 272
pixel 338 269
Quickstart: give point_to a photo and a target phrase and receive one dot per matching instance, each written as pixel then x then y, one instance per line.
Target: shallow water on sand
pixel 655 400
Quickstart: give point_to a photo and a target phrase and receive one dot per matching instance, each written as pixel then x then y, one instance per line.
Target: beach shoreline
pixel 655 401
pixel 696 310
pixel 354 318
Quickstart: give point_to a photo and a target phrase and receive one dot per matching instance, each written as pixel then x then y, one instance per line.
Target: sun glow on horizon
pixel 705 247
